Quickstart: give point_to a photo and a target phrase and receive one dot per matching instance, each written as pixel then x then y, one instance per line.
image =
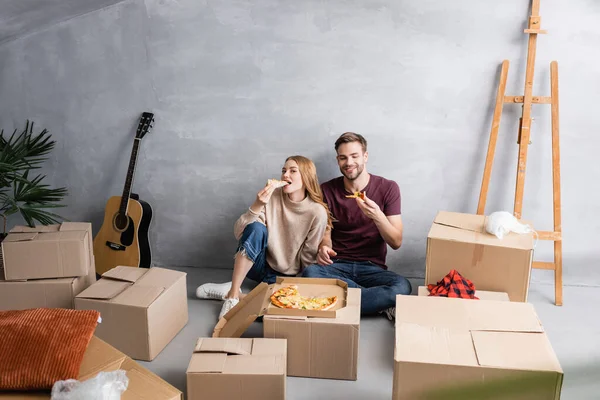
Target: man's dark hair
pixel 349 137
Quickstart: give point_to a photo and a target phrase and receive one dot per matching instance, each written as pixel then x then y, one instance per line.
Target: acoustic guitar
pixel 123 237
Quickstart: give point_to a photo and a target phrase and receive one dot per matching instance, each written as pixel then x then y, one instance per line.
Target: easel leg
pixel 556 185
pixel 489 160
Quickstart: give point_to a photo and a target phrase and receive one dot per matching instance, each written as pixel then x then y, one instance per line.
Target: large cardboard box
pixel 321 344
pixel 99 357
pixel 142 309
pixel 481 294
pixel 48 251
pixel 237 369
pixel 459 241
pixel 464 348
pixel 43 293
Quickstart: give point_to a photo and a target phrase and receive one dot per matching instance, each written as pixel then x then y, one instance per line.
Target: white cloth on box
pixel 500 223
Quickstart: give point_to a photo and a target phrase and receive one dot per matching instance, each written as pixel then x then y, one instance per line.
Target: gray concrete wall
pixel 237 86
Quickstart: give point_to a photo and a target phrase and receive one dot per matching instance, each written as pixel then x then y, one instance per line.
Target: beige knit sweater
pixel 295 230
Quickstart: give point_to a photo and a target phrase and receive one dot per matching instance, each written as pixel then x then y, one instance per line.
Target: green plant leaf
pixel 20 153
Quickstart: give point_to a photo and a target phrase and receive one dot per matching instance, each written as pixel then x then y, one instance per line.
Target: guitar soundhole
pixel 121 222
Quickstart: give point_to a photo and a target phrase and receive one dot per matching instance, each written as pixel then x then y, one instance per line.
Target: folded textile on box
pixel 453 285
pixel 43 345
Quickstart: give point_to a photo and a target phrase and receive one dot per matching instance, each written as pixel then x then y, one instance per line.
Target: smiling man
pixel 355 249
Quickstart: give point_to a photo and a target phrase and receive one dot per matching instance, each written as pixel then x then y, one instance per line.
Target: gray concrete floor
pixel 573 330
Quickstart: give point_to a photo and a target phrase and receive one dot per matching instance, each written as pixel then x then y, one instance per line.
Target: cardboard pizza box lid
pixel 257 303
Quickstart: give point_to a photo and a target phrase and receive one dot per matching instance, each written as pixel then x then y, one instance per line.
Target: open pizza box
pixel 320 344
pixel 257 303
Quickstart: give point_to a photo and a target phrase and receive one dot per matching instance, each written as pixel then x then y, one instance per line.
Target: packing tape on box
pixel 477 255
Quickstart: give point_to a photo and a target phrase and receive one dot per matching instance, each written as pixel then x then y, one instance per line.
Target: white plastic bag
pixel 104 386
pixel 500 223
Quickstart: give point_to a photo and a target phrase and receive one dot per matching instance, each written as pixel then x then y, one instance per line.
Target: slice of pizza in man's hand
pixel 357 195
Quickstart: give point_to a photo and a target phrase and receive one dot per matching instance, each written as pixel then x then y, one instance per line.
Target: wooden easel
pixel 523 140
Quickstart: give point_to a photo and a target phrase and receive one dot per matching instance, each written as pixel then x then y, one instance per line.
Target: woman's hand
pixel 262 198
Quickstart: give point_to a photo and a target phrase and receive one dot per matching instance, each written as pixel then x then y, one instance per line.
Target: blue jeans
pixel 379 287
pixel 254 241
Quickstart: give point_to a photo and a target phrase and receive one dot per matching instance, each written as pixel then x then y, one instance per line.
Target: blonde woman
pixel 280 233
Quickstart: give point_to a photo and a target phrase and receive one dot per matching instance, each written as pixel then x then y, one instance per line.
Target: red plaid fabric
pixel 453 285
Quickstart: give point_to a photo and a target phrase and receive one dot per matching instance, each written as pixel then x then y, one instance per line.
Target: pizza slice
pixel 356 195
pixel 277 183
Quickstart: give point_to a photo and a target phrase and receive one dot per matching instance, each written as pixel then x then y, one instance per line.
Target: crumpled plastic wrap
pixel 104 386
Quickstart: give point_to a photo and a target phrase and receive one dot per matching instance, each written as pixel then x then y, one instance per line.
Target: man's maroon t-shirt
pixel 355 236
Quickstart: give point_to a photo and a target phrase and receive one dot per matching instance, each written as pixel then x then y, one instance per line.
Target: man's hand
pixel 369 208
pixel 324 255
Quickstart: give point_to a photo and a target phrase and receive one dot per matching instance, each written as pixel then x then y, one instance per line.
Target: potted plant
pixel 20 192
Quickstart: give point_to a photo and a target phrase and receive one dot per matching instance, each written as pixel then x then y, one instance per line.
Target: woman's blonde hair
pixel 308 171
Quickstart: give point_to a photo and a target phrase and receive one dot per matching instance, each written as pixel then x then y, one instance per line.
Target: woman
pixel 280 233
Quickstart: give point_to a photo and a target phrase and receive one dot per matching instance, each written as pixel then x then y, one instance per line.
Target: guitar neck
pixel 129 178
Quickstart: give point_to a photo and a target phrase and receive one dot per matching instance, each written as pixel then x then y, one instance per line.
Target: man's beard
pixel 359 169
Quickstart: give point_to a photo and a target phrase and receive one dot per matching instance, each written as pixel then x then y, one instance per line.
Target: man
pixel 355 250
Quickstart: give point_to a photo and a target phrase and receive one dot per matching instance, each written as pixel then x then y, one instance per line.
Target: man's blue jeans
pixel 254 242
pixel 379 287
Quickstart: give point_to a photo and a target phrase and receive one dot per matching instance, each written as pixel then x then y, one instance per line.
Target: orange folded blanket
pixel 41 346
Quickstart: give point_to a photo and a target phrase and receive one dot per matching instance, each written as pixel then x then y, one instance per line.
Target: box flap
pixel 138 296
pixel 207 363
pixel 38 228
pixel 143 384
pixel 20 237
pixel 160 277
pixel 428 344
pixel 469 222
pixel 224 345
pixel 515 350
pixel 483 315
pixel 74 226
pixel 255 365
pixel 269 347
pixel 502 316
pixel 126 274
pixel 104 289
pixel 239 318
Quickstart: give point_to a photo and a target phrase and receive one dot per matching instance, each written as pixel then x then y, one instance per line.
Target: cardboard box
pixel 481 294
pixel 48 251
pixel 237 369
pixel 43 293
pixel 321 344
pixel 462 347
pixel 459 241
pixel 99 357
pixel 142 309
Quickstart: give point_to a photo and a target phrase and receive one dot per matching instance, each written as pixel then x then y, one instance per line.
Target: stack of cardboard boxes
pixel 141 309
pixel 494 347
pixel 46 266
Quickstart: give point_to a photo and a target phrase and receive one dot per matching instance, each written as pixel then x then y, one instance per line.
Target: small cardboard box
pixel 99 357
pixel 48 251
pixel 459 241
pixel 237 369
pixel 43 293
pixel 142 309
pixel 321 344
pixel 481 294
pixel 470 347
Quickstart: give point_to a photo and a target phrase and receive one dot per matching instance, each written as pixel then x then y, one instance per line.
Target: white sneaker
pixel 390 313
pixel 214 291
pixel 228 305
